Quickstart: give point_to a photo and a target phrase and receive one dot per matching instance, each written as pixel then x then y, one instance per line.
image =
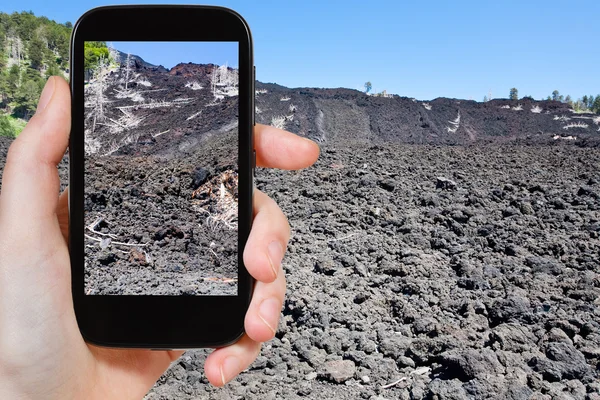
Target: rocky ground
pixel 159 225
pixel 441 250
pixel 161 181
pixel 431 272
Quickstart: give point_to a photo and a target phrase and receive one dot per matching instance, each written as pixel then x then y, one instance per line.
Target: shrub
pixel 6 128
pixel 10 126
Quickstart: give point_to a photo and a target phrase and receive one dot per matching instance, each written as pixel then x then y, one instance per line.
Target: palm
pixel 128 373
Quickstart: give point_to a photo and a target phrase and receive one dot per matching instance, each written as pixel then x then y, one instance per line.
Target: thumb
pixel 30 183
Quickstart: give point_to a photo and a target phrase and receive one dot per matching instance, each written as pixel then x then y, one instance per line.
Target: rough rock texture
pixel 173 242
pixel 500 305
pixel 473 254
pixel 161 188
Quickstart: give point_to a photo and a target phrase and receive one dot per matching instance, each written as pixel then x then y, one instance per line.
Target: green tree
pixel 26 99
pixel 13 81
pixel 556 95
pixel 368 87
pixel 514 94
pixel 485 99
pixel 548 98
pixel 568 100
pixel 36 52
pixel 26 24
pixel 596 105
pixel 2 46
pixel 63 52
pixel 92 52
pixel 3 59
pixel 26 96
pixel 58 41
pixel 53 69
pixel 590 102
pixel 584 100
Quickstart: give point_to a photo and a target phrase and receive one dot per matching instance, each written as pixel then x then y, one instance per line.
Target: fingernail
pixel 309 140
pixel 269 313
pixel 229 369
pixel 46 94
pixel 275 255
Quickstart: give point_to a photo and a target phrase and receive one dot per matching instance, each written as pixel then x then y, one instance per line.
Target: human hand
pixel 42 352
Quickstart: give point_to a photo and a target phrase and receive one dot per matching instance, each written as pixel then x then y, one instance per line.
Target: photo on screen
pixel 161 168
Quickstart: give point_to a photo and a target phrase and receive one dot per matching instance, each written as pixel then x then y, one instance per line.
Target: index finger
pixel 276 148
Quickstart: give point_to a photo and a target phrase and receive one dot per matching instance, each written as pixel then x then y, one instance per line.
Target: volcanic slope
pixel 161 180
pixel 339 115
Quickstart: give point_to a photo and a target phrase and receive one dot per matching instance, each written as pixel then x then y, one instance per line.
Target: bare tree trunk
pixel 127 69
pixel 214 79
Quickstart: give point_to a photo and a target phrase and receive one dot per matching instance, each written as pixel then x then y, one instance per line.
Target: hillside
pixel 334 115
pixel 143 108
pixel 31 49
pixel 325 115
pixel 161 177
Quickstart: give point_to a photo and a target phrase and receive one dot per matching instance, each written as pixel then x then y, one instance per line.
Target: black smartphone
pixel 161 175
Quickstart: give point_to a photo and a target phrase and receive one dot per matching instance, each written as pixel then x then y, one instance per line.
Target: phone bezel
pixel 160 322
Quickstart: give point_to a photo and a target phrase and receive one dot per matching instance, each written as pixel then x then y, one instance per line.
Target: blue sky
pixel 169 54
pixel 461 49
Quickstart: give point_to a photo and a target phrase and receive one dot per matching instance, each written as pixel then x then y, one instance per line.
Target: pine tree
pixel 36 52
pixel 3 59
pixel 2 46
pixel 568 100
pixel 596 106
pixel 26 96
pixel 584 100
pixel 556 95
pixel 26 99
pixel 514 94
pixel 53 70
pixel 13 81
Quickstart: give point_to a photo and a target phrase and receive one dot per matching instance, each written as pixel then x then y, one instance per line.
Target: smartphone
pixel 161 175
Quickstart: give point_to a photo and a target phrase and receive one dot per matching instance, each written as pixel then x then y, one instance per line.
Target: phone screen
pixel 161 168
